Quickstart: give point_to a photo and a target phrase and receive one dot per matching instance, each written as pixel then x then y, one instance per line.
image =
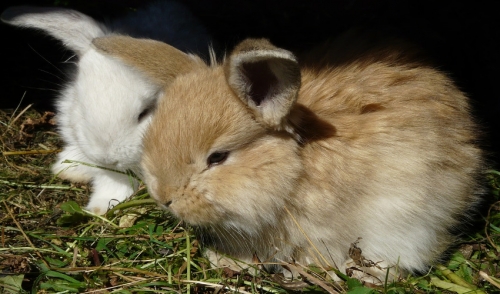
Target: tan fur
pixel 377 146
pixel 132 51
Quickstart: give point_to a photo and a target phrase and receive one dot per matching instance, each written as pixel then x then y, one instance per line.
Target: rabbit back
pixel 403 155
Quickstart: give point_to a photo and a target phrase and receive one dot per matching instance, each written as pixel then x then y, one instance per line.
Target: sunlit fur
pixel 98 110
pixel 395 163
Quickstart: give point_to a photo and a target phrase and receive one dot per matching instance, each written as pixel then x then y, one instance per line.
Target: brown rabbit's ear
pixel 157 60
pixel 264 77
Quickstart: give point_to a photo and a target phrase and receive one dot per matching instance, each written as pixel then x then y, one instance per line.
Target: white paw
pixel 110 188
pixel 100 205
pixel 73 172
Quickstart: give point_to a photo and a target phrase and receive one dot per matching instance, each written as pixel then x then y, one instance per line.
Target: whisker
pixel 50 82
pixel 70 61
pixel 43 89
pixel 52 74
pixel 58 69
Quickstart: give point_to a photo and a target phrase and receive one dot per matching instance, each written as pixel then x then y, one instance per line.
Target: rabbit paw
pixel 72 171
pixel 218 260
pixel 110 188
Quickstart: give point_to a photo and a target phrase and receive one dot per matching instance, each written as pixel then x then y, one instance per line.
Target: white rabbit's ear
pixel 157 60
pixel 76 30
pixel 264 77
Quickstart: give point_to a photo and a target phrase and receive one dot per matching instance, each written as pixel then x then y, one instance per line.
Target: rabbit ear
pixel 264 77
pixel 76 30
pixel 157 60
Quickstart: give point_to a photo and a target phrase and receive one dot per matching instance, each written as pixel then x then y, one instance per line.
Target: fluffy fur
pixel 295 161
pixel 103 112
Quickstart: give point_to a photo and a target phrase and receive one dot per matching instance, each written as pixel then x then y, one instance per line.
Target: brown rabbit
pixel 294 161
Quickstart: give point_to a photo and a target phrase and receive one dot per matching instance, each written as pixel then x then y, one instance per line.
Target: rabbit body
pixel 300 159
pixel 103 111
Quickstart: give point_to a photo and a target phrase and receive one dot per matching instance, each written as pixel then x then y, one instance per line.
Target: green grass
pixel 50 245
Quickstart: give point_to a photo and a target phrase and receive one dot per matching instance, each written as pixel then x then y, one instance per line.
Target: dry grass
pixel 50 245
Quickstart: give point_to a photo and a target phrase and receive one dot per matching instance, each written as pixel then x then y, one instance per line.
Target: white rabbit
pixel 295 160
pixel 103 112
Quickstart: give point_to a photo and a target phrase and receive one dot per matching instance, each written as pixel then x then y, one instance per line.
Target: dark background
pixel 462 37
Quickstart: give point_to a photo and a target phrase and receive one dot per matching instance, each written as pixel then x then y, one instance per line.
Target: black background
pixel 463 37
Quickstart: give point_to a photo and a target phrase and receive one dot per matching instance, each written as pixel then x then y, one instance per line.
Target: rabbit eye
pixel 217 158
pixel 144 113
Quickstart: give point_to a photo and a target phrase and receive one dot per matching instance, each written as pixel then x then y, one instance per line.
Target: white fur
pixel 98 110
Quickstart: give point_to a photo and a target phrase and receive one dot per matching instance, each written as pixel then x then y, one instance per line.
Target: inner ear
pixel 265 78
pixel 260 79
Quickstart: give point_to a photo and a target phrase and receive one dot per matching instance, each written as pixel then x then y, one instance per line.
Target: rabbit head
pixel 235 130
pixel 104 110
pixel 270 156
